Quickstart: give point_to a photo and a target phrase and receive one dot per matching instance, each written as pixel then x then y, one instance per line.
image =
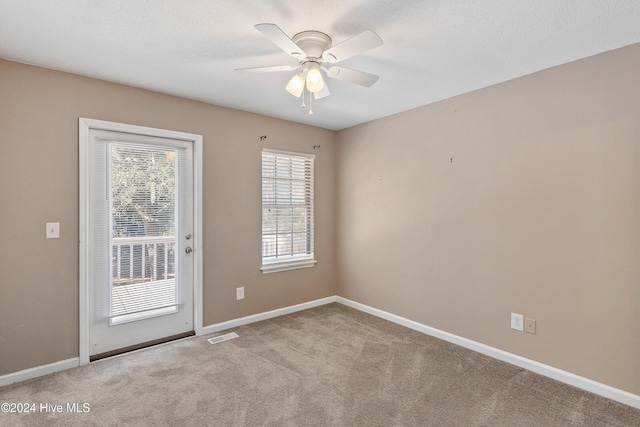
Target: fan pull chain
pixel 303 105
pixel 310 104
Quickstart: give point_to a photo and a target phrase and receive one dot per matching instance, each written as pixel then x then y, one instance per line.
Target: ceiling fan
pixel 314 53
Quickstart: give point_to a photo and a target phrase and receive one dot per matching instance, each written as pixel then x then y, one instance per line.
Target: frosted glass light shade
pixel 315 83
pixel 295 85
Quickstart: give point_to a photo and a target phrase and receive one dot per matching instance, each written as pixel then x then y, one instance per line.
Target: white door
pixel 140 238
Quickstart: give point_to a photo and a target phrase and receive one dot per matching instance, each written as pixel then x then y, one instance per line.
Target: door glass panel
pixel 142 193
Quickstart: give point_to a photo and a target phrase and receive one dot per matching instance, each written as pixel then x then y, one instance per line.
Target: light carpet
pixel 327 366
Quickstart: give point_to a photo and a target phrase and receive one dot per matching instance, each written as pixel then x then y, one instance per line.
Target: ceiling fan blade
pixel 362 42
pixel 323 93
pixel 352 76
pixel 269 69
pixel 280 39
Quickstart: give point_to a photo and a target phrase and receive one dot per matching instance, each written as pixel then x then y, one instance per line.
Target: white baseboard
pixel 39 371
pixel 266 315
pixel 531 365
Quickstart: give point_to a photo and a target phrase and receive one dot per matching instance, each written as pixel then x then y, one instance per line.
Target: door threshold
pixel 140 346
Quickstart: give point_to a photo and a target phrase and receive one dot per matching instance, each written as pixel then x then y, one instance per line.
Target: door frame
pixel 84 127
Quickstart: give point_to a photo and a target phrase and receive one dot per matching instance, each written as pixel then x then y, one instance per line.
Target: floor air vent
pixel 225 337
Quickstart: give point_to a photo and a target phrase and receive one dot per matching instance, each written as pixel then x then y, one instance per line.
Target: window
pixel 287 211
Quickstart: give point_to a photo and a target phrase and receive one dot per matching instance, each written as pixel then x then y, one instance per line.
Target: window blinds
pixel 142 193
pixel 135 203
pixel 287 206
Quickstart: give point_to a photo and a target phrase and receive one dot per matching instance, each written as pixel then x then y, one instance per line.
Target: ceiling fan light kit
pixel 296 85
pixel 315 83
pixel 312 49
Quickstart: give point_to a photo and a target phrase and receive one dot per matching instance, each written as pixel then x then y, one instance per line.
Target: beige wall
pixel 39 112
pixel 523 197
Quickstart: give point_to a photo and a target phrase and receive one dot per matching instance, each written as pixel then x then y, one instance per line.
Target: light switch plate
pixel 53 230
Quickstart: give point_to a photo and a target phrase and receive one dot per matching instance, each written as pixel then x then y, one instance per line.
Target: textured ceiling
pixel 433 49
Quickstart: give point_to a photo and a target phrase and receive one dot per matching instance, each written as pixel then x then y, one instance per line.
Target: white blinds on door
pixel 135 263
pixel 99 261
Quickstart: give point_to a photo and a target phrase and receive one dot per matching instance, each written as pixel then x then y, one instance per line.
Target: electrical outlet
pixel 240 293
pixel 517 322
pixel 530 326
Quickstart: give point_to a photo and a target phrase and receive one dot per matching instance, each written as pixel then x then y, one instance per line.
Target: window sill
pixel 287 265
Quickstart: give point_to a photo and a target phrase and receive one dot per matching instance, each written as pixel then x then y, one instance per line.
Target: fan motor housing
pixel 312 43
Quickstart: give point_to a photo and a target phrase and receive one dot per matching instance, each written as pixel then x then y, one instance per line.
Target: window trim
pixel 297 261
pixel 274 267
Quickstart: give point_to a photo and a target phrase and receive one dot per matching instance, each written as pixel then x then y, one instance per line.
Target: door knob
pixel 188 249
